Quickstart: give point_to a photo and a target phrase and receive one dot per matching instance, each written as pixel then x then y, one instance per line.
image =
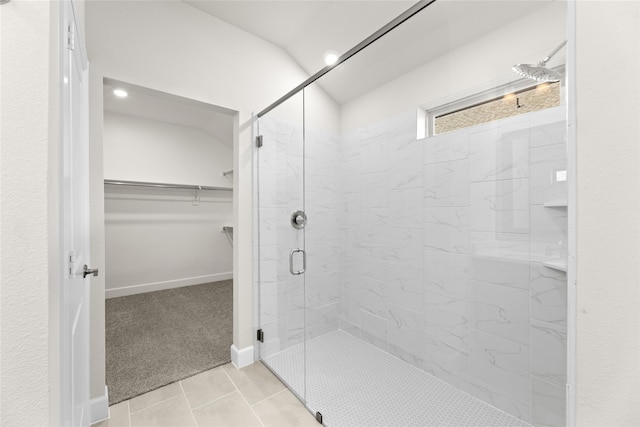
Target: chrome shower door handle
pixel 304 262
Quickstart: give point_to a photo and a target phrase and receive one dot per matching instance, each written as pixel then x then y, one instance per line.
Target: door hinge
pixel 260 335
pixel 71 36
pixel 259 141
pixel 319 417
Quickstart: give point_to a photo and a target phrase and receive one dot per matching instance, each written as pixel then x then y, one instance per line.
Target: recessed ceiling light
pixel 120 93
pixel 331 57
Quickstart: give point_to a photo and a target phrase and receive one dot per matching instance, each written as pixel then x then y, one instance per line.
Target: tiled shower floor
pixel 353 383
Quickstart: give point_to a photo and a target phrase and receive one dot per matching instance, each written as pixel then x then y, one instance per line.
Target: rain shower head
pixel 539 71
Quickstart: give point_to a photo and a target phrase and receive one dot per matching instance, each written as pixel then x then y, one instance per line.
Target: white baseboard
pixel 242 357
pixel 170 284
pixel 99 407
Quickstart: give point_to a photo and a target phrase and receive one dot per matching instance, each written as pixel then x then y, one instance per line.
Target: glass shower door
pixel 282 256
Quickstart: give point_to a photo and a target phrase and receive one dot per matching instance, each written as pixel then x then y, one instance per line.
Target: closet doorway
pixel 168 237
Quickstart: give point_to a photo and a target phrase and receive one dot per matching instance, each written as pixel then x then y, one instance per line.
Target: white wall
pixel 608 246
pixel 29 248
pixel 174 48
pixel 138 149
pixel 483 60
pixel 158 238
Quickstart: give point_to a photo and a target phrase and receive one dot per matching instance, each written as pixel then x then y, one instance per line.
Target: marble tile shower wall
pixel 287 301
pixel 444 241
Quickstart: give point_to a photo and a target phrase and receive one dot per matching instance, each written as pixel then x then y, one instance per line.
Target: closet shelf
pixel 556 264
pixel 555 204
pixel 164 185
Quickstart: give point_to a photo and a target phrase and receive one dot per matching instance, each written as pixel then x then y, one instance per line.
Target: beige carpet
pixel 158 338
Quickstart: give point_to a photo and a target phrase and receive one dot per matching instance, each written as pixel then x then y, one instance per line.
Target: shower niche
pixel 435 288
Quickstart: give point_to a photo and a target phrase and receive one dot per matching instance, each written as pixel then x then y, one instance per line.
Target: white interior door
pixel 75 226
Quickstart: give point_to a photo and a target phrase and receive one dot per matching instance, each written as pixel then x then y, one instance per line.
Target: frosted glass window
pixel 545 95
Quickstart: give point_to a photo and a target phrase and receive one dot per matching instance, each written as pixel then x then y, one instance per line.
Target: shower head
pixel 539 71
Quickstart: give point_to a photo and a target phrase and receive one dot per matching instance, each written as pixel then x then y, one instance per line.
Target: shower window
pixel 487 107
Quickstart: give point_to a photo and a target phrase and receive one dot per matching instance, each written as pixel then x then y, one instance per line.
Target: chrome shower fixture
pixel 540 72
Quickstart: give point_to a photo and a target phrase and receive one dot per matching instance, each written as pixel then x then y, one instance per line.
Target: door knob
pixel 87 271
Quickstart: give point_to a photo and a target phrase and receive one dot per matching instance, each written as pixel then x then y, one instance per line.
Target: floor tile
pixel 118 416
pixel 156 396
pixel 170 413
pixel 207 387
pixel 255 382
pixel 228 411
pixel 284 410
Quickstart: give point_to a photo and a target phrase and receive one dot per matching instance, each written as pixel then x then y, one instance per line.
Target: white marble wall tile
pixel 273 154
pixel 321 167
pixel 501 400
pixel 446 274
pixel 374 224
pixel 549 352
pixel 374 190
pixel 323 256
pixel 375 297
pixel 272 188
pixel 322 224
pixel 323 184
pixel 273 301
pixel 373 262
pixel 375 155
pixel 446 229
pixel 548 407
pixel 349 327
pixel 406 328
pixel 495 155
pixel 294 173
pixel 548 294
pixel 548 127
pixel 545 164
pixel 274 264
pixel 406 287
pixel 295 320
pixel 405 167
pixel 407 356
pixel 500 363
pixel 447 320
pixel 275 227
pixel 446 147
pixel 548 233
pixel 322 289
pixel 500 310
pixel 500 206
pixel 322 320
pixel 500 258
pixel 445 361
pixel 405 248
pixel 447 184
pixel 406 207
pixel 294 202
pixel 374 330
pixel 350 305
pixel 321 148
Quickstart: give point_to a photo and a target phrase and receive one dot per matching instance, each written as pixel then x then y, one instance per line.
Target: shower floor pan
pixel 352 383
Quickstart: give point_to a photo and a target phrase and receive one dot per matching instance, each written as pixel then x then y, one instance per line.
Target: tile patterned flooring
pixel 224 396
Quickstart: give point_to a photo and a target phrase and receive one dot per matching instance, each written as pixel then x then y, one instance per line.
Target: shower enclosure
pixel 412 226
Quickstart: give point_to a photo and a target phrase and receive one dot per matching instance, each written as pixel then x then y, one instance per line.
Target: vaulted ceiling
pixel 307 29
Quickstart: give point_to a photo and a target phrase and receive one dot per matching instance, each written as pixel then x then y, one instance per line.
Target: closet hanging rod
pixel 163 185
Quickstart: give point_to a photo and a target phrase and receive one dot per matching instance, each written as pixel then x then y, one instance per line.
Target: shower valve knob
pixel 298 219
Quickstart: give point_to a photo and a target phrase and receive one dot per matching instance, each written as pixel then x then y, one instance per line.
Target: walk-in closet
pixel 168 206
